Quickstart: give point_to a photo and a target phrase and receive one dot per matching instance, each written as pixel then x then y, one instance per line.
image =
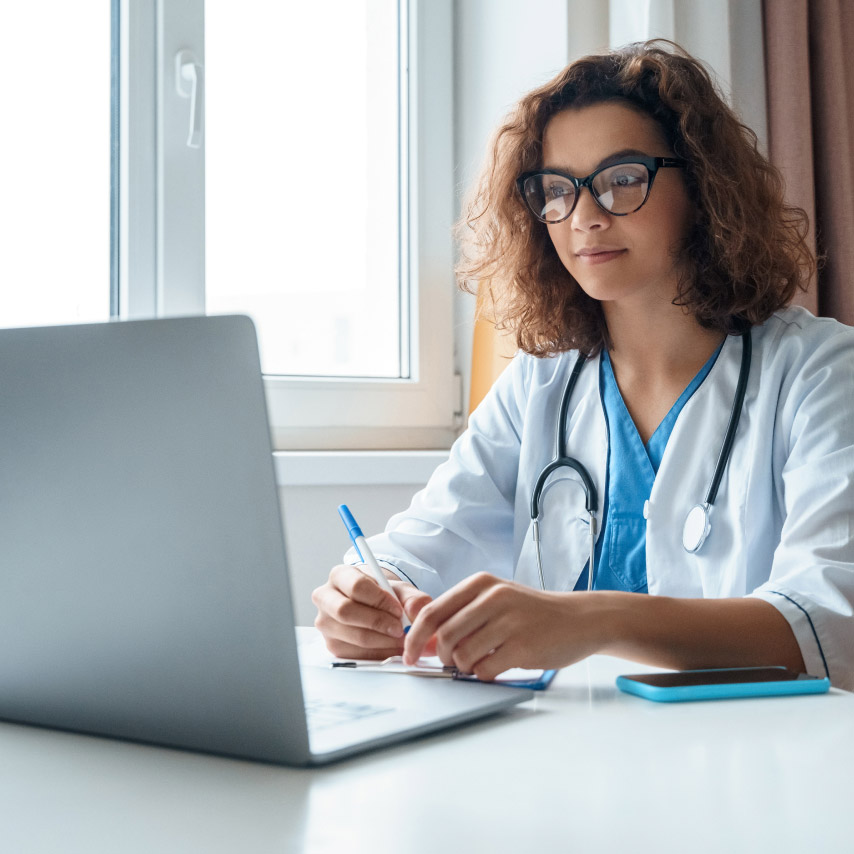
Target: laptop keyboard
pixel 327 713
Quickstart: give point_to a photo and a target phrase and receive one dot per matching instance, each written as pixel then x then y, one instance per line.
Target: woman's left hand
pixel 486 625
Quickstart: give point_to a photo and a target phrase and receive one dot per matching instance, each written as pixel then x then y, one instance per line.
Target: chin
pixel 602 291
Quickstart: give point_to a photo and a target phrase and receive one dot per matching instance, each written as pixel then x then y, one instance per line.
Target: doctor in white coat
pixel 626 215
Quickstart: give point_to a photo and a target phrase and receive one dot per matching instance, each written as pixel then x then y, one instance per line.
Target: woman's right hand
pixel 358 619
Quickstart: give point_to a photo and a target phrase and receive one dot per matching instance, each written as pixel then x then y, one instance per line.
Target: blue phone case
pixel 721 691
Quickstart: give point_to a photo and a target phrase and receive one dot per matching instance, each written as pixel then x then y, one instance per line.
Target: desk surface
pixel 582 767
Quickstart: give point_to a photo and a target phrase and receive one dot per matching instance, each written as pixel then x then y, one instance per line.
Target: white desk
pixel 581 768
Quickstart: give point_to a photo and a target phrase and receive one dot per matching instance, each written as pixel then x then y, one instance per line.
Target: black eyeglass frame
pixel 652 164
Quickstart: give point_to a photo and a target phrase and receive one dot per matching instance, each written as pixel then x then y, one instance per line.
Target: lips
pixel 598 254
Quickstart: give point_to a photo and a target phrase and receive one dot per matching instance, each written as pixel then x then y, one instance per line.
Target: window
pixel 55 150
pixel 306 235
pixel 221 132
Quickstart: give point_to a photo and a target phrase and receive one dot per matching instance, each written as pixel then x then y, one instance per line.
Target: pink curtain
pixel 809 48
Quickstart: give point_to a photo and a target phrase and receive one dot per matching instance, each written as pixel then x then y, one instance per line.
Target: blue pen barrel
pixel 352 528
pixel 365 553
pixel 349 522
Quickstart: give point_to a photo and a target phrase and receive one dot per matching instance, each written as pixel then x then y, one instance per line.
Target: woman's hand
pixel 485 625
pixel 358 619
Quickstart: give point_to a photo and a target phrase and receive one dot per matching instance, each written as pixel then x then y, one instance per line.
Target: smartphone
pixel 721 683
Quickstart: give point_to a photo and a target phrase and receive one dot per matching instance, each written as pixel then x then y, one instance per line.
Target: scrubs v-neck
pixel 632 467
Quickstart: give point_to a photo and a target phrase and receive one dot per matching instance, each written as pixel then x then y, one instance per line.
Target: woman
pixel 669 267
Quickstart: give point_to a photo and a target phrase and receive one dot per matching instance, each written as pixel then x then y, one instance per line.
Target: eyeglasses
pixel 619 189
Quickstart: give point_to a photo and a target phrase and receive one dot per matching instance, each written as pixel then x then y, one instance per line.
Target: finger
pixel 411 598
pixel 357 585
pixel 476 647
pixel 433 614
pixel 357 637
pixel 430 648
pixel 495 663
pixel 345 650
pixel 335 607
pixel 464 627
pixel 487 608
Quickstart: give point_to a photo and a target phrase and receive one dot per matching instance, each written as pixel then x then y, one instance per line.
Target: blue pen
pixel 367 555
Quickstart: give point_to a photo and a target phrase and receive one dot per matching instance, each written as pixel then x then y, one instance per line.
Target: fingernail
pixel 396 631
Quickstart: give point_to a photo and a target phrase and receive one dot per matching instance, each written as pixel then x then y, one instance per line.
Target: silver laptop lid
pixel 143 580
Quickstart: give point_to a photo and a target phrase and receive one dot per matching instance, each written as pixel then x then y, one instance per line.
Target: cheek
pixel 660 235
pixel 673 240
pixel 680 218
pixel 560 240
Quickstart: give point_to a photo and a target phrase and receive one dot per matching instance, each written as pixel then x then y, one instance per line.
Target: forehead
pixel 580 138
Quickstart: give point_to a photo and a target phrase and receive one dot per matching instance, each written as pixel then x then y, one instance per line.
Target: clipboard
pixel 432 667
pixel 518 677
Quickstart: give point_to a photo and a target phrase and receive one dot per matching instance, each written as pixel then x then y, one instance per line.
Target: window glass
pixel 303 194
pixel 55 151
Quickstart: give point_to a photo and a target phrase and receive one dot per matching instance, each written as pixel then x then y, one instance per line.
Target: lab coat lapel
pixel 683 479
pixel 564 529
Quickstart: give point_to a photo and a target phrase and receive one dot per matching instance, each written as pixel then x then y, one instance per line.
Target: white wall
pixel 725 34
pixel 502 49
pixel 315 537
pixel 373 484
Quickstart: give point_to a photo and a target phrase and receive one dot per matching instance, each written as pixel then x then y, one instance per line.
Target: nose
pixel 588 216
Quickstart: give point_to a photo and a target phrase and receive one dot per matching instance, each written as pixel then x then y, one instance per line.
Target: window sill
pixel 336 468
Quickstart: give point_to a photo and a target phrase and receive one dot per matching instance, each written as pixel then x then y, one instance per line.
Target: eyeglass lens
pixel 620 189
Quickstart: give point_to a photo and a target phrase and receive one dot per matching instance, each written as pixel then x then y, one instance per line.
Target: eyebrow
pixel 607 161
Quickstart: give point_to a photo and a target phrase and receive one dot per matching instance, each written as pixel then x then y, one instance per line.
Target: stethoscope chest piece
pixel 697 524
pixel 696 528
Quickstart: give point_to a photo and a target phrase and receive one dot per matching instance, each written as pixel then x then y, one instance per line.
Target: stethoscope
pixel 698 521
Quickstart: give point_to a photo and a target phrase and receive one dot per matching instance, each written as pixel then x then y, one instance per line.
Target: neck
pixel 656 343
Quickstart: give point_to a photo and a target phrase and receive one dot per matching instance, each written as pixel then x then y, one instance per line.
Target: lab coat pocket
pixel 626 560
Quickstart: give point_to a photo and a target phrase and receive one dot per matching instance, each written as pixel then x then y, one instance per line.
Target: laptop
pixel 144 586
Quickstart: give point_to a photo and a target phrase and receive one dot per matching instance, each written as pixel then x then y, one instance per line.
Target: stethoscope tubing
pixel 734 417
pixel 563 460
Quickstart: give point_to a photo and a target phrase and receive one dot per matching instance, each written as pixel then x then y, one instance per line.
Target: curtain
pixel 810 97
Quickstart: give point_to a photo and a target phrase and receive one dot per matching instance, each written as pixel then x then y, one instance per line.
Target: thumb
pixel 412 599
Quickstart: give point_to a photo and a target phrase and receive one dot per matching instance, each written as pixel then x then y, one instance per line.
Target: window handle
pixel 190 83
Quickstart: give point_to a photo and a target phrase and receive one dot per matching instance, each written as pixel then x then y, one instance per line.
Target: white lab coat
pixel 782 524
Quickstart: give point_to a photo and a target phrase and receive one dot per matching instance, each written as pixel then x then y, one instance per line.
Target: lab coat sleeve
pixel 462 521
pixel 812 575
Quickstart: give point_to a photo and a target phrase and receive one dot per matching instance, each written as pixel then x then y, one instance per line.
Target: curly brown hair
pixel 743 260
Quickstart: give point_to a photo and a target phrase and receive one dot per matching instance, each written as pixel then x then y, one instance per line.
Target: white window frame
pixel 162 210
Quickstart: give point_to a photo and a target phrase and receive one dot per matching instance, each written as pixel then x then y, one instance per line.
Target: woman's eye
pixel 556 191
pixel 625 179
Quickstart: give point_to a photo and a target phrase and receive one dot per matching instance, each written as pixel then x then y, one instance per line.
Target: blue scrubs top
pixel 632 467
